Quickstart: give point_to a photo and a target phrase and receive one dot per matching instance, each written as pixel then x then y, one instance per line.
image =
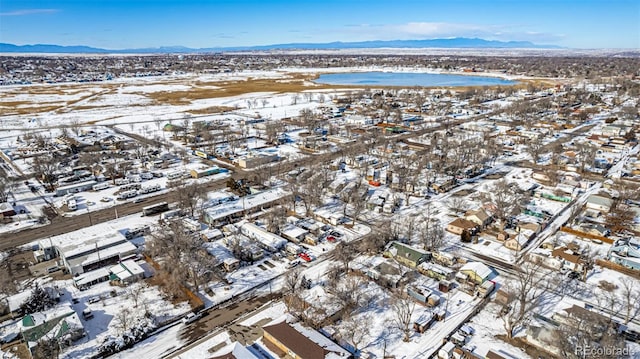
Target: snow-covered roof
pixel 305 342
pixel 234 350
pixel 218 250
pixel 248 202
pixel 79 247
pixel 94 256
pixel 264 237
pixel 127 269
pixel 16 300
pixel 63 319
pixel 477 267
pixel 5 207
pixel 293 231
pixel 88 277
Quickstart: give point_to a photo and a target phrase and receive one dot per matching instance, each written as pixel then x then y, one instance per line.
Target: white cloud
pixel 28 12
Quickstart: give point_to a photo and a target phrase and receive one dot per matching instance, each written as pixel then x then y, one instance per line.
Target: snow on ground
pixel 244 279
pixel 108 311
pixel 155 346
pixel 272 311
pixel 202 349
pixel 383 334
pixel 28 206
pixel 487 325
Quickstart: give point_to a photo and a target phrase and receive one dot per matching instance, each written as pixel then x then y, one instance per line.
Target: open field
pixel 182 91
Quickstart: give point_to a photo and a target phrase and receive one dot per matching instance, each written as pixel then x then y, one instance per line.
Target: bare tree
pixel 587 155
pixel 431 236
pixel 524 294
pixel 630 299
pixel 292 280
pixel 457 204
pixel 47 348
pixel 535 148
pixel 355 330
pixel 124 320
pixel 45 168
pixel 6 188
pixel 344 252
pixel 136 293
pixel 403 308
pixel 189 195
pixel 505 199
pixel 585 329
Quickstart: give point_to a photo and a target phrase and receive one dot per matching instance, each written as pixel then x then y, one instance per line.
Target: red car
pixel 305 257
pixel 331 239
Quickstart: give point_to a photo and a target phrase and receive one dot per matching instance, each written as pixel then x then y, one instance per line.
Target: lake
pixel 409 79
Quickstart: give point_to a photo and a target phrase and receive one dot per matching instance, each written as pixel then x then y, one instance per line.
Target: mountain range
pixel 453 43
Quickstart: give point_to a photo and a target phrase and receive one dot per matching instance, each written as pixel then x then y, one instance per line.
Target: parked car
pixel 92 300
pixel 87 314
pixel 191 317
pixel 306 257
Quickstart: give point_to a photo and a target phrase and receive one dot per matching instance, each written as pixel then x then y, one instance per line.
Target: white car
pixel 191 317
pixel 105 199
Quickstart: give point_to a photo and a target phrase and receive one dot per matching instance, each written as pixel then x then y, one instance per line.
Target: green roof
pixel 27 321
pixel 406 251
pixel 37 332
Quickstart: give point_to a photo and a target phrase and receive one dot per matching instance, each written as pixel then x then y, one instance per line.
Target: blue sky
pixel 116 24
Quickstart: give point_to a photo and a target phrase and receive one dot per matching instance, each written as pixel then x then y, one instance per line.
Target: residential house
pixel 6 210
pixel 599 230
pixel 14 302
pixel 424 295
pixel 599 203
pixel 294 234
pixel 61 323
pixel 405 254
pixel 625 252
pixel 610 131
pixel 518 240
pixel 435 271
pixel 445 259
pixel 459 225
pixel 299 342
pixel 576 316
pixel 571 260
pixel 446 352
pixel 476 272
pixel 479 217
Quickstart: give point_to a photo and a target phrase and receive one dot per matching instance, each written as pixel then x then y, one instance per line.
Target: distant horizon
pixel 397 43
pixel 138 24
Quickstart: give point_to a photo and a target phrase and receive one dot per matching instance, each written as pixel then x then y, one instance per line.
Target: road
pixel 62 225
pixel 217 321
